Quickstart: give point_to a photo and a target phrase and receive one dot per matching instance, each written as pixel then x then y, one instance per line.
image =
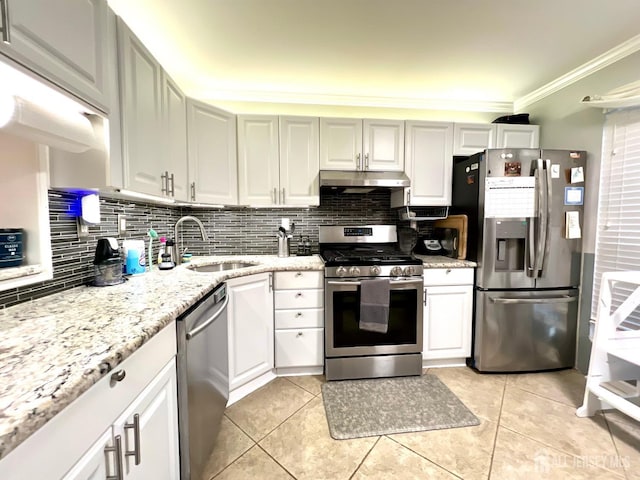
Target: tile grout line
pixel 276 461
pixel 365 457
pixel 495 438
pixel 422 456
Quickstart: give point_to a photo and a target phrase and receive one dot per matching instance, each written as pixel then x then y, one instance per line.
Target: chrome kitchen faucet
pixel 177 250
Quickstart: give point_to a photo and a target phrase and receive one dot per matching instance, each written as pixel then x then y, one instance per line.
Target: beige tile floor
pixel 528 429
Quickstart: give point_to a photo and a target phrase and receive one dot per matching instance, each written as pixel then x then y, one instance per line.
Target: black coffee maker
pixel 107 263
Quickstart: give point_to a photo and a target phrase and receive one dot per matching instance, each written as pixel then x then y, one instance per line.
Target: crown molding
pixel 617 53
pixel 356 101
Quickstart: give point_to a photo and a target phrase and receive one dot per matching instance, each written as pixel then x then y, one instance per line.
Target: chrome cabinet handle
pixel 366 161
pixel 270 282
pixel 424 300
pixel 193 191
pixel 4 13
pixel 117 451
pixel 173 184
pixel 165 183
pixel 136 439
pixel 282 201
pixel 117 377
pixel 408 196
pixel 358 163
pixel 275 196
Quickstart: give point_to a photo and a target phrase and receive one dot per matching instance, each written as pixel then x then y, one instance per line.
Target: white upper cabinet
pixel 470 138
pixel 277 160
pixel 64 41
pixel 213 164
pixel 383 145
pixel 517 136
pixel 429 162
pixel 154 128
pixel 258 167
pixel 355 144
pixel 299 160
pixel 174 155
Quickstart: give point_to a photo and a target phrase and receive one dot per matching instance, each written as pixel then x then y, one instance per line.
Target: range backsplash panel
pixel 231 231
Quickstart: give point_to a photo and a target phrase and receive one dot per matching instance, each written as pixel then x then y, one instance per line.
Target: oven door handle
pixel 393 283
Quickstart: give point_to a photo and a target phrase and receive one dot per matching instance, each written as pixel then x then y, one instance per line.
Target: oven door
pixel 343 336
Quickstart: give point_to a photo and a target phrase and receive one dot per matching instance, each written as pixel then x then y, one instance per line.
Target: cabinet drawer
pixel 299 279
pixel 448 276
pixel 300 318
pixel 311 298
pixel 299 348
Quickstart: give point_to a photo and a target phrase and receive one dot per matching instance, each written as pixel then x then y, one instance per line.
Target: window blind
pixel 618 227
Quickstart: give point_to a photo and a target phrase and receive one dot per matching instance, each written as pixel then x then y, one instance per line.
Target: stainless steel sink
pixel 220 267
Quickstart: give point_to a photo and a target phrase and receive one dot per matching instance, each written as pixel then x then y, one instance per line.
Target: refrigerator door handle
pixel 546 223
pixel 535 223
pixel 514 301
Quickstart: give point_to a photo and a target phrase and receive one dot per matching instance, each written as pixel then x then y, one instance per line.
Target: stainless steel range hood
pixel 362 182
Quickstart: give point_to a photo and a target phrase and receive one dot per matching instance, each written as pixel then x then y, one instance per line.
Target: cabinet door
pixel 301 347
pixel 341 144
pixel 299 160
pixel 250 314
pixel 383 145
pixel 213 163
pixel 517 136
pixel 258 168
pixel 470 138
pixel 429 163
pixel 141 110
pixel 174 117
pixel 65 42
pixel 157 430
pixel 447 322
pixel 97 463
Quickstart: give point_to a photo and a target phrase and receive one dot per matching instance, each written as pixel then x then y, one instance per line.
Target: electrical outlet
pixel 122 224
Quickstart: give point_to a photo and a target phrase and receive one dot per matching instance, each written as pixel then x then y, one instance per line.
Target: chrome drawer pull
pixel 299 314
pixel 299 294
pixel 117 376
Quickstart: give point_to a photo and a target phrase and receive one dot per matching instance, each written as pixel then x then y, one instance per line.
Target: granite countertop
pixel 436 261
pixel 55 348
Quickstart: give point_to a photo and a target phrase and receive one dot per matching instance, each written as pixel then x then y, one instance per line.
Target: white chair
pixel 615 353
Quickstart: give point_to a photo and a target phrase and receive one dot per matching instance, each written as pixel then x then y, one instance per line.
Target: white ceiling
pixel 456 54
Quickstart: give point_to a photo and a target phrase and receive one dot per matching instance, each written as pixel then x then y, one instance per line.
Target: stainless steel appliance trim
pixel 360 178
pixel 135 453
pixel 380 234
pixel 513 301
pixel 373 366
pixel 117 452
pixel 4 13
pixel 200 328
pixel 356 282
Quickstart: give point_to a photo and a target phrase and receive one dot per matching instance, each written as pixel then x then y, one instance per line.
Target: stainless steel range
pixel 352 256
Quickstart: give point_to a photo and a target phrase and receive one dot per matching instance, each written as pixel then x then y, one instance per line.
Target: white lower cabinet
pixel 299 322
pixel 143 442
pixel 447 316
pixel 134 406
pixel 250 314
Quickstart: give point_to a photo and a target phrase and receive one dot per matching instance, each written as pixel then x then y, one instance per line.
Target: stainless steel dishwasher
pixel 203 388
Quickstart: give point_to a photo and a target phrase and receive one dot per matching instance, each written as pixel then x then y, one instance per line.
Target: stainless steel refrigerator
pixel 525 214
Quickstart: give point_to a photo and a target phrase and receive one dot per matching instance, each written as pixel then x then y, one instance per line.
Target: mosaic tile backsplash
pixel 230 231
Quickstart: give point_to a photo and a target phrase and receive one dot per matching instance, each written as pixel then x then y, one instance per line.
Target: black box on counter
pixel 11 247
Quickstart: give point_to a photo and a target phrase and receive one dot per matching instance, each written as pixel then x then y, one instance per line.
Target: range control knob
pixel 375 270
pixel 341 271
pixel 410 270
pixel 396 271
pixel 354 271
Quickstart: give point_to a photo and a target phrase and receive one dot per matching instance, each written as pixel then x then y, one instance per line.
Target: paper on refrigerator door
pixel 510 197
pixel 572 225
